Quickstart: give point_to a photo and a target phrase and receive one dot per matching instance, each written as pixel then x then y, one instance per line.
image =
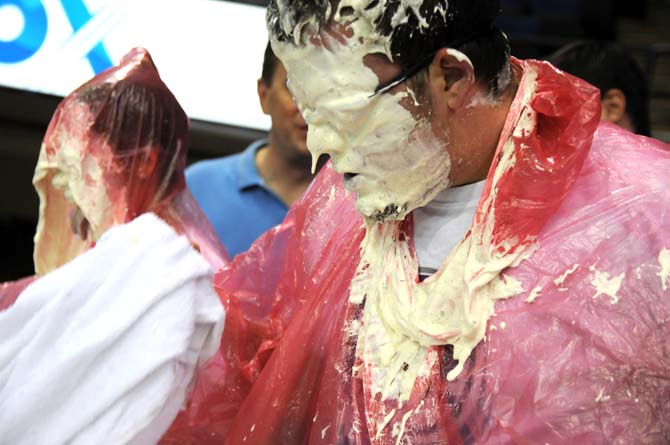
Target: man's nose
pixel 300 120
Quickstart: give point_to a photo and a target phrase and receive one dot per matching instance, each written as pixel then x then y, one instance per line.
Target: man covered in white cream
pixel 547 316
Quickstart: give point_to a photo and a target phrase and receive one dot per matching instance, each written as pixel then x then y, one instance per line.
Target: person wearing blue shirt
pixel 245 194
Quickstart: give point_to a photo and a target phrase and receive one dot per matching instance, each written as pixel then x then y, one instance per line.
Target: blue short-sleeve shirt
pixel 235 198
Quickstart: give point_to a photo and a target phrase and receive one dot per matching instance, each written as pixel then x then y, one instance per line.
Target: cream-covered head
pixel 114 149
pixel 392 148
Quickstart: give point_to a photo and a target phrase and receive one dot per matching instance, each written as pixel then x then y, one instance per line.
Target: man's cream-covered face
pixel 389 157
pixel 75 203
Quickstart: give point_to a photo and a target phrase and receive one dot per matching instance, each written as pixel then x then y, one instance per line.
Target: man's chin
pixel 302 159
pixel 381 214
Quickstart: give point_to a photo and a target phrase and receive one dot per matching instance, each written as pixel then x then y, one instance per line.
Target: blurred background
pixel 209 53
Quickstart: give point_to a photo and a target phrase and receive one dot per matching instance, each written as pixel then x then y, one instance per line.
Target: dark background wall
pixel 535 28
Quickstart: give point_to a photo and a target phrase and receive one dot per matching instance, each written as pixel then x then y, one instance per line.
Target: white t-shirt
pixel 441 224
pixel 102 350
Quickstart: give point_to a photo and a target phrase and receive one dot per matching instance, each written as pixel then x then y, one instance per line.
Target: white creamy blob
pixel 291 25
pixel 559 281
pixel 391 160
pixel 69 183
pixel 534 294
pixel 382 425
pixel 403 12
pixel 664 273
pixel 605 285
pixel 403 423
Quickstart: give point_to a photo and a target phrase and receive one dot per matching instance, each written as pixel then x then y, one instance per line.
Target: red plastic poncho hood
pixel 114 149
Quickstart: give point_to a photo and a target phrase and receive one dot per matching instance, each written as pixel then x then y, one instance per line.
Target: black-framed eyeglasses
pixel 424 62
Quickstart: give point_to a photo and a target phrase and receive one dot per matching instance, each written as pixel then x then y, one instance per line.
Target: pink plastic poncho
pixel 580 356
pixel 115 148
pixel 11 290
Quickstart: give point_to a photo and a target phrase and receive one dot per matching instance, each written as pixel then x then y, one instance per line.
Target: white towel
pixel 103 349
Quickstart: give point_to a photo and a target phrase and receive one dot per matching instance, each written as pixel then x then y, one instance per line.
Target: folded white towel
pixel 102 350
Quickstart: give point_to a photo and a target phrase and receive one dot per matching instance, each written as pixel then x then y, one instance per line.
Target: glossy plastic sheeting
pixel 114 149
pixel 580 356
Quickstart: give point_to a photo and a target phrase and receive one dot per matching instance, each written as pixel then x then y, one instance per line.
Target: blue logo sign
pixel 35 30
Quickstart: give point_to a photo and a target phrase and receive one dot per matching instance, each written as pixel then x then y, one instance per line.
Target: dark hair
pixel 606 66
pixel 269 65
pixel 136 112
pixel 441 22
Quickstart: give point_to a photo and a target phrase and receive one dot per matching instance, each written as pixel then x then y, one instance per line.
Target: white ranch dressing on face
pixel 398 162
pixel 68 179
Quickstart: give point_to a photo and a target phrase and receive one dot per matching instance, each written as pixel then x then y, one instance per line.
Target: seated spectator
pixel 623 86
pixel 244 195
pixel 101 345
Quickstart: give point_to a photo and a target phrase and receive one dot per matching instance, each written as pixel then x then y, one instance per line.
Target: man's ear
pixel 147 163
pixel 452 77
pixel 263 95
pixel 613 105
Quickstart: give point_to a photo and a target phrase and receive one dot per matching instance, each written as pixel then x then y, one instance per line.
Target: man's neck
pixel 288 180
